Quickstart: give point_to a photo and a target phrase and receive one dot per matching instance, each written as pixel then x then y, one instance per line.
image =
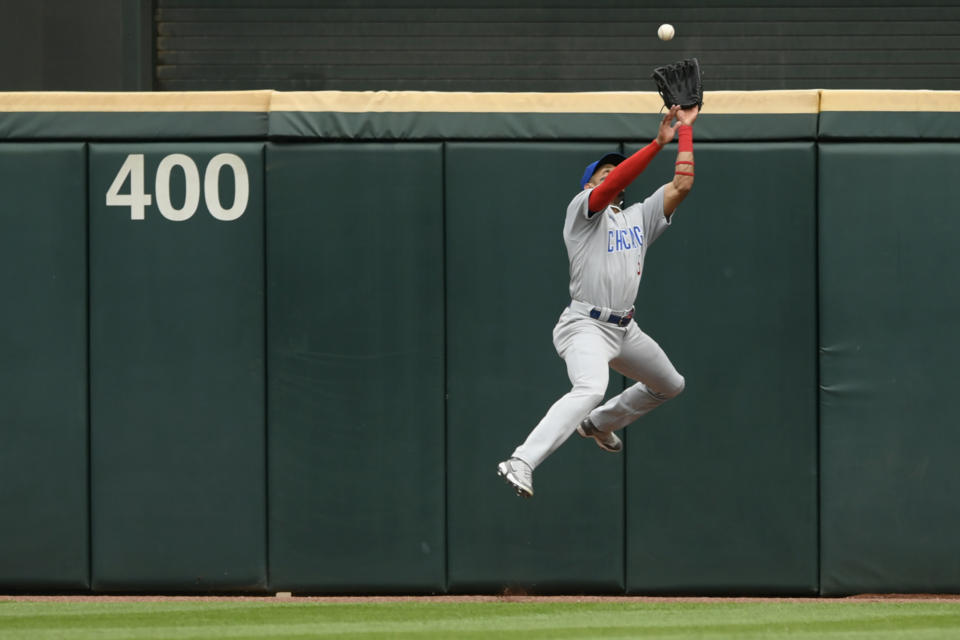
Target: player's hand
pixel 667 130
pixel 687 116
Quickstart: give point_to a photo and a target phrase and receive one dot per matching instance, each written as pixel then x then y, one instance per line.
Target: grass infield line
pixel 134 618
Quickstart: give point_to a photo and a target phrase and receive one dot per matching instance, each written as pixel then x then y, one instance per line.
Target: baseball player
pixel 606 244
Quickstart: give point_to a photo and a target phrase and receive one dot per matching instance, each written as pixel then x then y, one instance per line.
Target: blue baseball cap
pixel 610 158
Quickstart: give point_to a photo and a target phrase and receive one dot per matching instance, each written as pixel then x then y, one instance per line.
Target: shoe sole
pixel 597 440
pixel 521 491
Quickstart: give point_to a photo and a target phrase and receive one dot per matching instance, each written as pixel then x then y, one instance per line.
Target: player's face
pixel 600 175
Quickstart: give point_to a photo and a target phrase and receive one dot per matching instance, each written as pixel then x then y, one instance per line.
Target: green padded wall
pixel 356 413
pixel 507 283
pixel 177 373
pixel 889 438
pixel 43 345
pixel 721 482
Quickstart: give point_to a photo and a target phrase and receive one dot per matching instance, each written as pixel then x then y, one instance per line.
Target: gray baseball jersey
pixel 607 249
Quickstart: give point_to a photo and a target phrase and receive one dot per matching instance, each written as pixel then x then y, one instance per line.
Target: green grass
pixel 522 620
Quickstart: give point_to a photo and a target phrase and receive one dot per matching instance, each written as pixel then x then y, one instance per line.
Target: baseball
pixel 665 32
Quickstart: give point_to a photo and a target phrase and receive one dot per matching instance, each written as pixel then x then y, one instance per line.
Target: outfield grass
pixel 522 620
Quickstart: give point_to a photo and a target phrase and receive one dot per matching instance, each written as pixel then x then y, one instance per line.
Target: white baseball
pixel 665 32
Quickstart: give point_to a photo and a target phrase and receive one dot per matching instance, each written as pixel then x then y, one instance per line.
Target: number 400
pixel 138 201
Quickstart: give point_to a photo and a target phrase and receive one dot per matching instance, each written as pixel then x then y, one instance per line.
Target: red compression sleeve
pixel 685 138
pixel 624 173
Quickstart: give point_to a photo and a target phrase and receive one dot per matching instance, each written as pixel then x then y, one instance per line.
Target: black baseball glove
pixel 680 83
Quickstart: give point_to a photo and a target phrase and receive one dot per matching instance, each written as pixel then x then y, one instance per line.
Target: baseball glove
pixel 680 83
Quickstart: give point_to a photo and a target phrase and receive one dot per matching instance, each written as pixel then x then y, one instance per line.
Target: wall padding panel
pixel 177 369
pixel 43 346
pixel 889 310
pixel 355 262
pixel 507 283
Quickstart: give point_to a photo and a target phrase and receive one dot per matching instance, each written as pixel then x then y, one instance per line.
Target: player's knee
pixel 591 397
pixel 669 389
pixel 675 387
pixel 591 392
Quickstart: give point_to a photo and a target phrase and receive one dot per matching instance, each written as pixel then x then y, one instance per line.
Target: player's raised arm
pixel 611 184
pixel 677 190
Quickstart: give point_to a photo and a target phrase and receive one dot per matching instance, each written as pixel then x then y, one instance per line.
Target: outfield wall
pixel 266 341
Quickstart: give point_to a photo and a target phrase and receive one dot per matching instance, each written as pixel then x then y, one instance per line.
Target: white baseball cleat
pixel 518 474
pixel 606 441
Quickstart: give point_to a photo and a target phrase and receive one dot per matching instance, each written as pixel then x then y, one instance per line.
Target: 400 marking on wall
pixel 138 200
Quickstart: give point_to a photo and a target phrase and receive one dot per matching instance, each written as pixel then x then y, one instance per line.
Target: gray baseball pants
pixel 590 348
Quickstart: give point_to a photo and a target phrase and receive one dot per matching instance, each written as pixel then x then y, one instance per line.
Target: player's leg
pixel 589 374
pixel 643 360
pixel 586 349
